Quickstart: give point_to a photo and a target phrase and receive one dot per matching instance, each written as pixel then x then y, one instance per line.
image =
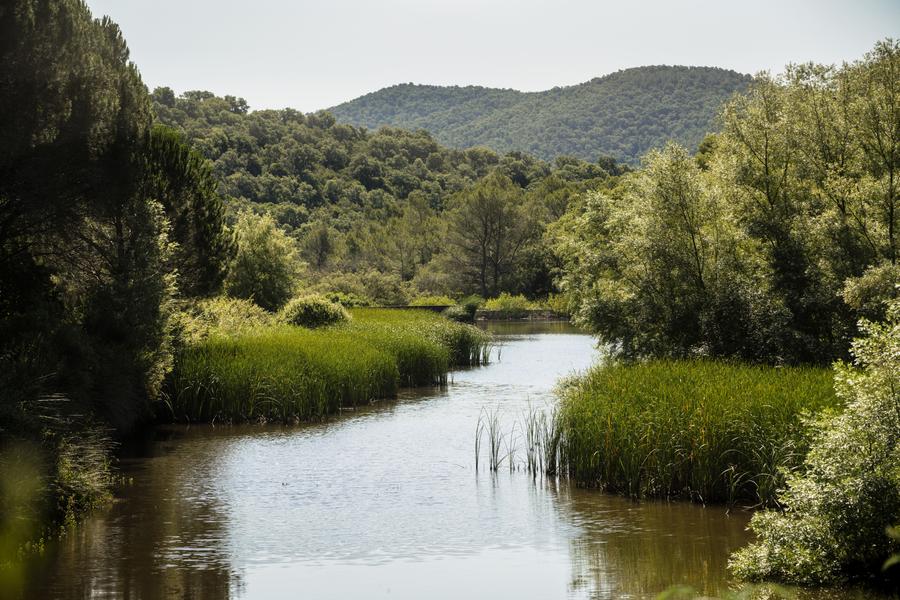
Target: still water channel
pixel 385 502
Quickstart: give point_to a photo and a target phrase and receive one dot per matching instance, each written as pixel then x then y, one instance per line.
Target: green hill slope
pixel 621 115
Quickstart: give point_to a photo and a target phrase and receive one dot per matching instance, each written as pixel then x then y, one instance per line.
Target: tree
pixel 75 223
pixel 181 179
pixel 265 265
pixel 489 227
pixel 654 263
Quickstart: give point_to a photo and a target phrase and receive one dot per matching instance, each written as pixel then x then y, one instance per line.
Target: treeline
pixel 382 217
pixel 770 243
pixel 622 115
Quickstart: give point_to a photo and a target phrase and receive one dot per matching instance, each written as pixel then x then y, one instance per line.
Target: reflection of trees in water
pixel 165 539
pixel 640 549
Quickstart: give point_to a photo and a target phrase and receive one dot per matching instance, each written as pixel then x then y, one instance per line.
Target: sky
pixel 314 54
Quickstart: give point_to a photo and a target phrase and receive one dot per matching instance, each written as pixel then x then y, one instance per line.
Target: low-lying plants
pixel 704 430
pixel 289 373
pixel 312 311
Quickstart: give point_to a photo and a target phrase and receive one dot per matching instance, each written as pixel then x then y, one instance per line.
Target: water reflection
pixel 623 548
pixel 383 502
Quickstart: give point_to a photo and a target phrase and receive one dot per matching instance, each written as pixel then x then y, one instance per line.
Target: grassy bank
pixel 704 430
pixel 285 373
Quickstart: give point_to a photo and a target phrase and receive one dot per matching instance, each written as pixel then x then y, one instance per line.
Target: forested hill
pixel 620 115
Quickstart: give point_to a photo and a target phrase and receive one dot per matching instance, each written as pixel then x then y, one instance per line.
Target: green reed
pixel 283 372
pixel 704 430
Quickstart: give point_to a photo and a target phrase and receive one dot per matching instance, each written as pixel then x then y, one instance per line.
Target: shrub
pixel 313 311
pixel 348 300
pixel 841 504
pixel 508 305
pixel 704 430
pixel 265 265
pixel 459 314
pixel 223 316
pixel 432 301
pixel 472 303
pixel 557 303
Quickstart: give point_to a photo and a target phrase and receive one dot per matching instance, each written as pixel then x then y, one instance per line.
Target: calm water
pixel 384 503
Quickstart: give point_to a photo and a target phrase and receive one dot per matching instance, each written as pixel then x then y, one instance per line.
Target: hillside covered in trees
pixel 622 115
pixel 388 215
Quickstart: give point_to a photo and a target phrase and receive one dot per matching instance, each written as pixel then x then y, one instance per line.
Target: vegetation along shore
pixel 182 258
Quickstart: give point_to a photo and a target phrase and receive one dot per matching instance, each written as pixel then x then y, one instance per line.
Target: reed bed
pixel 286 373
pixel 703 430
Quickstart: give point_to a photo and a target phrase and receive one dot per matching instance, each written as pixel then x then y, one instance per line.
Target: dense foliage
pixel 622 115
pixel 385 216
pixel 265 266
pixel 769 244
pixel 842 503
pixel 313 311
pixel 99 212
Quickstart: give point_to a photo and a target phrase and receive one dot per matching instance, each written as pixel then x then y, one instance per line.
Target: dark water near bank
pixel 385 502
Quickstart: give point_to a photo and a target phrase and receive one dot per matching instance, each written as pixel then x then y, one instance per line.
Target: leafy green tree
pixel 77 227
pixel 489 228
pixel 652 263
pixel 266 263
pixel 181 179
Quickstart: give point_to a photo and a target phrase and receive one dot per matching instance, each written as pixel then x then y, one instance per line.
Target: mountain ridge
pixel 622 114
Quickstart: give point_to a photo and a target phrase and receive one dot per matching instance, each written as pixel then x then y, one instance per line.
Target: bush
pixel 841 504
pixel 472 303
pixel 266 264
pixel 509 306
pixel 459 314
pixel 704 430
pixel 558 304
pixel 348 300
pixel 222 316
pixel 313 311
pixel 432 301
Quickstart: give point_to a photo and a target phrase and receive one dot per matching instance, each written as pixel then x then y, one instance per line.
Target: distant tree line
pixel 383 216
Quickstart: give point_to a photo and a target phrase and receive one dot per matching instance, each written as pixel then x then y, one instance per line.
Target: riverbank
pixel 386 497
pixel 238 365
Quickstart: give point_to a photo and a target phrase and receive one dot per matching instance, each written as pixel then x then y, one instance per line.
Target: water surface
pixel 385 502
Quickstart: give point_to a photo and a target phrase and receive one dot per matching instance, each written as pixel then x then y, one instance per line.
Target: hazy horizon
pixel 311 56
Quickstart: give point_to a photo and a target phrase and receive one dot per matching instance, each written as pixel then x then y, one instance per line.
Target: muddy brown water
pixel 385 502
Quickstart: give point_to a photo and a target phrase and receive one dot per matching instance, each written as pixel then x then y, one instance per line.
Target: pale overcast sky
pixel 310 54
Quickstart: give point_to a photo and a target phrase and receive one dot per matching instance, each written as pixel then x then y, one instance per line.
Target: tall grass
pixel 284 372
pixel 704 430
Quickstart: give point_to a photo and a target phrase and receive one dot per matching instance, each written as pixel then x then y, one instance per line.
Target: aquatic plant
pixel 704 430
pixel 289 373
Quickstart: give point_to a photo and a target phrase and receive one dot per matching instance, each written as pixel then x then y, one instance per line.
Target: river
pixel 384 502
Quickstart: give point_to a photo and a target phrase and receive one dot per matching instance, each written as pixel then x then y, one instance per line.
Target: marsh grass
pixel 703 430
pixel 534 430
pixel 283 372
